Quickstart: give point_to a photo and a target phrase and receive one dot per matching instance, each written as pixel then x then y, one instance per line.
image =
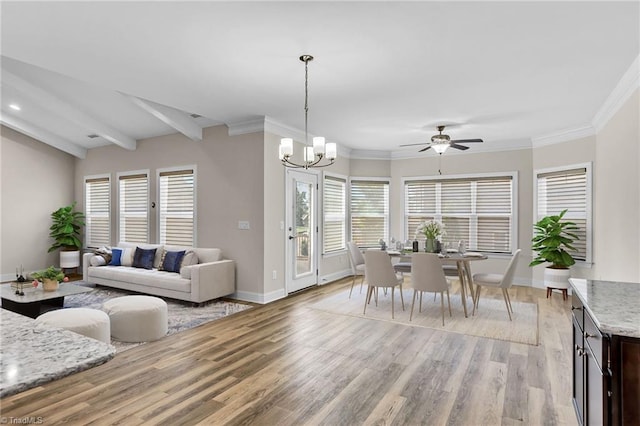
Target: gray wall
pixel 36 180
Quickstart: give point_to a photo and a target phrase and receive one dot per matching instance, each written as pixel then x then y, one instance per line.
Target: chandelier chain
pixel 306 98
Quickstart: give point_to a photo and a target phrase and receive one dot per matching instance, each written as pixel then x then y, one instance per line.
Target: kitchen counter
pixel 31 355
pixel 614 306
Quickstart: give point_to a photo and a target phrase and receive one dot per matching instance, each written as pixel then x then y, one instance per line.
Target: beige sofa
pixel 211 277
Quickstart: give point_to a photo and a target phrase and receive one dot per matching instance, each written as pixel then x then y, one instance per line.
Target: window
pixel 177 206
pixel 369 212
pixel 133 208
pixel 97 198
pixel 477 209
pixel 570 189
pixel 334 200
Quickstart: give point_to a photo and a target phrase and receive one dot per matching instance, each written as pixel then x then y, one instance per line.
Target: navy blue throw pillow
pixel 143 258
pixel 115 257
pixel 172 261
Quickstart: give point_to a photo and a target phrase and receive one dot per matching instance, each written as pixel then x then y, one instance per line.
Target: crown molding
pixel 563 136
pixel 627 85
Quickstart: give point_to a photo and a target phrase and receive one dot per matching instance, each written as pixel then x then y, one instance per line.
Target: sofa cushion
pixel 126 255
pixel 172 261
pixel 189 258
pixel 158 247
pixel 145 277
pixel 116 253
pixel 97 261
pixel 143 258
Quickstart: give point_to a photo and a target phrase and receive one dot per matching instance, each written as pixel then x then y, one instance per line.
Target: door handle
pixel 291 237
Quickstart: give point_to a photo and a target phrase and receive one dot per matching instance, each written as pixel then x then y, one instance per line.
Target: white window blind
pixel 133 208
pixel 177 207
pixel 97 207
pixel 369 212
pixel 561 190
pixel 478 210
pixel 334 198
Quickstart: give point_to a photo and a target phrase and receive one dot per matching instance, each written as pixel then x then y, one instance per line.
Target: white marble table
pixel 614 306
pixel 31 356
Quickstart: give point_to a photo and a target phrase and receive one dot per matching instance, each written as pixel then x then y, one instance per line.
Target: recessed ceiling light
pixel 14 106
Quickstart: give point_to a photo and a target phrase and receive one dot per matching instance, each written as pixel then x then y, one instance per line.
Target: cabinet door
pixel 578 372
pixel 596 392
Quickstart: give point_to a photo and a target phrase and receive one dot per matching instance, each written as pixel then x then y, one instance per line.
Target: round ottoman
pixel 137 318
pixel 88 322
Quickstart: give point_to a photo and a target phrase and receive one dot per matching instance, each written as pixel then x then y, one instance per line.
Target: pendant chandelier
pixel 314 154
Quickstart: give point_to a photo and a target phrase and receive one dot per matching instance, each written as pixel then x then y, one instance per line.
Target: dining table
pixel 462 263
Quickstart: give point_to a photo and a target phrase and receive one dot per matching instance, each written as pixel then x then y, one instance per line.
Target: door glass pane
pixel 303 242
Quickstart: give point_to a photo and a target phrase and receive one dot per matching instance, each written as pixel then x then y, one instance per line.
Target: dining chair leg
pixel 376 296
pixel 449 302
pixel 509 299
pixel 367 299
pixel 421 301
pixel 475 305
pixel 506 302
pixel 401 297
pixel 442 307
pixel 392 288
pixel 352 283
pixel 413 302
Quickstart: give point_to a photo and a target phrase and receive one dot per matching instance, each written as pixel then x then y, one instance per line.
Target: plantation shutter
pixel 477 210
pixel 97 212
pixel 369 212
pixel 334 209
pixel 133 213
pixel 177 207
pixel 566 190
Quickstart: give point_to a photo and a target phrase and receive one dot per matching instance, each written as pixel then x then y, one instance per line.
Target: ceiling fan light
pixel 440 148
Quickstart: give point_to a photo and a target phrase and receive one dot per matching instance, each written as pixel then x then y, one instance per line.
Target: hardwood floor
pixel 287 364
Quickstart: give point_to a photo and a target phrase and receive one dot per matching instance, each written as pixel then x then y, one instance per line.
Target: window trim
pixel 588 166
pixel 347 211
pixel 195 198
pixel 470 176
pixel 388 181
pixel 146 172
pixel 84 190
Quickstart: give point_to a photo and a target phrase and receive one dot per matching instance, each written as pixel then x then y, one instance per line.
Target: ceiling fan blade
pixel 466 140
pixel 460 147
pixel 413 144
pixel 424 149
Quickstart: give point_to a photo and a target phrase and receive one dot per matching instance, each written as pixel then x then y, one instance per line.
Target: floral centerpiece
pixel 50 278
pixel 432 230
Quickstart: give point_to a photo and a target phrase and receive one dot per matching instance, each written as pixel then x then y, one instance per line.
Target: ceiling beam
pixel 179 120
pixel 67 111
pixel 42 135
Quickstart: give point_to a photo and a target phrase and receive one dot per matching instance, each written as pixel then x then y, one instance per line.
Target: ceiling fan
pixel 441 142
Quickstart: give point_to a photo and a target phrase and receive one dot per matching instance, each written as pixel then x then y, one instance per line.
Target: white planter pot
pixel 69 259
pixel 557 278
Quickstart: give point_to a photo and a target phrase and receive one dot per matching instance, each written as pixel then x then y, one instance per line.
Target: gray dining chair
pixel 427 275
pixel 357 265
pixel 501 281
pixel 378 273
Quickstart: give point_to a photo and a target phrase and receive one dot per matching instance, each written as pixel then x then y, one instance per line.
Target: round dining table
pixel 464 270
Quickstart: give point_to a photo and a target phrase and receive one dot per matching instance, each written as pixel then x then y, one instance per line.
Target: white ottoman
pixel 88 322
pixel 137 318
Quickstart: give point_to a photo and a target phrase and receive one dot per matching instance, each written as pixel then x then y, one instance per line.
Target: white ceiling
pixel 384 74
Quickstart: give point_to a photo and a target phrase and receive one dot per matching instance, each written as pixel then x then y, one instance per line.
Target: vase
pixel 49 284
pixel 430 245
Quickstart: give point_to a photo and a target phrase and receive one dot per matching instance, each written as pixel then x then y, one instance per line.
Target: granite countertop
pixel 614 306
pixel 33 355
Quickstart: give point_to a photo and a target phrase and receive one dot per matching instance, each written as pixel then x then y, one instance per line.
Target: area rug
pixel 182 315
pixel 490 320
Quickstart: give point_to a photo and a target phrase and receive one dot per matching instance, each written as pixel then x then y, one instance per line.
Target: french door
pixel 302 230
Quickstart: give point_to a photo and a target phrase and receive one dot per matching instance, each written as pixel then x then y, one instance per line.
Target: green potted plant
pixel 49 277
pixel 553 239
pixel 65 231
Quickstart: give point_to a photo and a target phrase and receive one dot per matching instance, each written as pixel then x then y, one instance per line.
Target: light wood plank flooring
pixel 287 364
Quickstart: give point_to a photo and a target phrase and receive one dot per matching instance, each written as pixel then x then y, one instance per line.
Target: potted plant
pixel 552 240
pixel 65 231
pixel 49 277
pixel 431 229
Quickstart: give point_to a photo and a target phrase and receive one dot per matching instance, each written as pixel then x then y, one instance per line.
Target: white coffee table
pixel 35 299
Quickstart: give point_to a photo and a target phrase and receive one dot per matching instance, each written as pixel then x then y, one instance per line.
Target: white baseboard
pixel 261 298
pixel 326 279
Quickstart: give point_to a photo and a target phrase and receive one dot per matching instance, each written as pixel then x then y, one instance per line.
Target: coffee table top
pixel 32 294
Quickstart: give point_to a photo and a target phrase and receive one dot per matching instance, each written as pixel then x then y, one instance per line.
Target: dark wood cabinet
pixel 606 373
